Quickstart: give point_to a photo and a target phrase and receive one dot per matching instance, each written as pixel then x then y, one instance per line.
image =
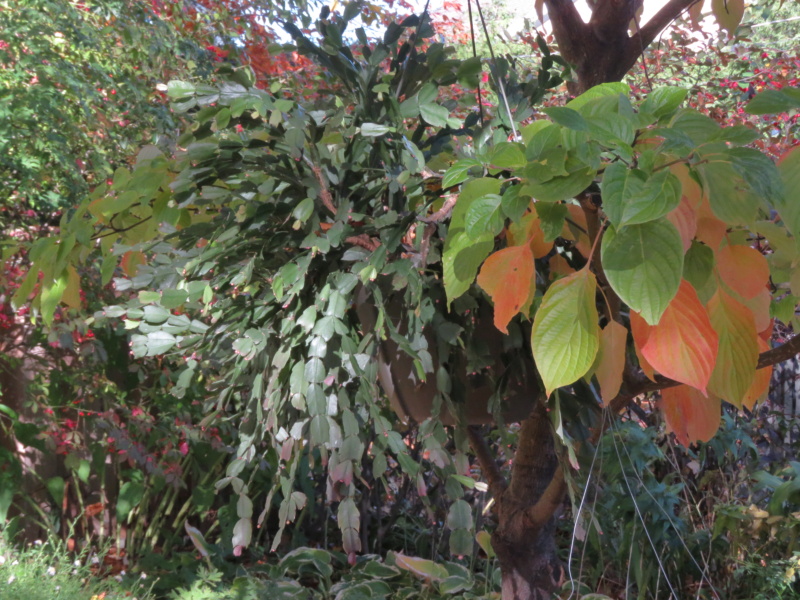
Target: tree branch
pixel 668 13
pixel 643 385
pixel 497 483
pixel 551 499
pixel 568 27
pixel 443 212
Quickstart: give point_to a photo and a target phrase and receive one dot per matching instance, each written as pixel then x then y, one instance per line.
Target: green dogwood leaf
pixel 630 196
pixel 643 264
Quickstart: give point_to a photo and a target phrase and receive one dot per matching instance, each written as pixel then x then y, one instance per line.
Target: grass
pixel 47 571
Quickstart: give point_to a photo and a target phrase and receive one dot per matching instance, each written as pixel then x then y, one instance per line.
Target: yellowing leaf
pixel 506 276
pixel 72 293
pixel 130 262
pixel 690 415
pixel 565 335
pixel 421 567
pixel 641 331
pixel 612 360
pixel 729 13
pixel 683 346
pixel 738 348
pixel 760 385
pixel 743 269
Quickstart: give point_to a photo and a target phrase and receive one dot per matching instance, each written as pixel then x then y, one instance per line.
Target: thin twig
pixel 443 212
pixel 325 193
pixel 364 241
pixel 123 230
pixel 497 483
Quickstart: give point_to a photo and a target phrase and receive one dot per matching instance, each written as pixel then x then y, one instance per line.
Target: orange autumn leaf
pixel 738 347
pixel 529 230
pixel 641 331
pixel 576 230
pixel 760 386
pixel 683 346
pixel 685 221
pixel 760 306
pixel 612 360
pixel 744 269
pixel 130 262
pixel 766 333
pixel 506 276
pixel 690 416
pixel 559 266
pixel 710 230
pixel 692 191
pixel 94 509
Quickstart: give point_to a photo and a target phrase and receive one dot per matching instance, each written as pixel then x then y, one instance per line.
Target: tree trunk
pixel 527 509
pixel 525 536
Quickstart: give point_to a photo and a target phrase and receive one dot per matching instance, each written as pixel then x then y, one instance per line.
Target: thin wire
pixel 593 519
pixel 641 44
pixel 671 522
pixel 497 79
pixel 630 562
pixel 578 516
pixel 475 54
pixel 641 518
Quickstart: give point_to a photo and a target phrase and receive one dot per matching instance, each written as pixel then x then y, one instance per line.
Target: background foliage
pixel 146 416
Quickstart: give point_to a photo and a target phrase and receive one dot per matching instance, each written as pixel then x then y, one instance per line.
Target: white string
pixel 578 516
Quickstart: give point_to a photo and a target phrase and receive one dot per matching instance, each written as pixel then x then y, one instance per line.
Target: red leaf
pixel 689 415
pixel 743 269
pixel 506 276
pixel 683 346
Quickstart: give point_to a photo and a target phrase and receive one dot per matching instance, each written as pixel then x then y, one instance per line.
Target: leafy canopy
pixel 247 252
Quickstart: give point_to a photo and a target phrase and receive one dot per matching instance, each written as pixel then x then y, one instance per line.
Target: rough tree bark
pixel 527 507
pixel 601 50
